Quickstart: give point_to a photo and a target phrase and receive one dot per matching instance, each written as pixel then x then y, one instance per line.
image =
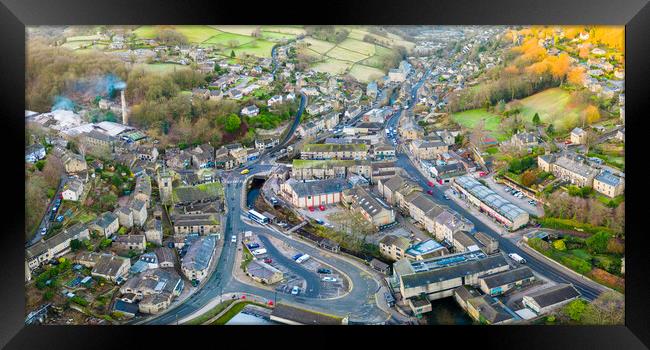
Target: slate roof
pixel 507 277
pixel 454 271
pixel 554 295
pixel 309 188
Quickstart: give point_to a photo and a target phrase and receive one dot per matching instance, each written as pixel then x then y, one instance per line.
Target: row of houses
pixel 581 174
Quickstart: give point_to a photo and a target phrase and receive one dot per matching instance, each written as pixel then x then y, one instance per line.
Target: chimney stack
pixel 125 117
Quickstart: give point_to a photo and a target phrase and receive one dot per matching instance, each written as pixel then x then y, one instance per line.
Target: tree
pixel 528 178
pixel 52 171
pixel 591 115
pixel 575 309
pixel 550 130
pixel 598 242
pixel 232 53
pixel 75 245
pixel 536 119
pixel 232 124
pixel 607 309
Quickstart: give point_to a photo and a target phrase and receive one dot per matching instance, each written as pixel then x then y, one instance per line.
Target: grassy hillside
pixel 468 119
pixel 555 106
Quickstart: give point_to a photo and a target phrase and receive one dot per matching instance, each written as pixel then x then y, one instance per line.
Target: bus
pixel 257 217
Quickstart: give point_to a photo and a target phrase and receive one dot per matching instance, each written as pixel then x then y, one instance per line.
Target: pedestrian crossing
pixel 231 181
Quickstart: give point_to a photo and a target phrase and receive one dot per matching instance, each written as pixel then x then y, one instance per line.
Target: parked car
pixel 329 279
pixel 43 231
pixel 268 260
pixel 325 271
pixel 319 221
pixel 295 290
pixel 321 207
pixel 430 192
pixel 430 184
pixel 233 239
pixel 446 197
pixel 311 209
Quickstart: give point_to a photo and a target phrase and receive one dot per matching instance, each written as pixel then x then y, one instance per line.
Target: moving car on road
pixel 245 171
pixel 324 271
pixel 516 257
pixel 295 290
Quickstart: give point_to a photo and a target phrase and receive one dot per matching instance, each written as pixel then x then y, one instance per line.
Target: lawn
pixel 344 54
pixel 237 308
pixel 332 66
pixel 210 314
pixel 470 118
pixel 365 74
pixel 295 30
pixel 555 106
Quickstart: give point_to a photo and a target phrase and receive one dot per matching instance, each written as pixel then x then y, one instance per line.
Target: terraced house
pixel 54 247
pixel 563 167
pixel 395 189
pixel 423 149
pixel 326 169
pixel 334 151
pixel 394 247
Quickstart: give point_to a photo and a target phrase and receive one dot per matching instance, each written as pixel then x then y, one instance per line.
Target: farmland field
pixel 225 38
pixel 365 74
pixel 332 66
pixel 378 59
pixel 275 36
pixel 295 30
pixel 194 34
pixel 319 46
pixel 555 106
pixel 345 55
pixel 468 119
pixel 362 47
pixel 259 48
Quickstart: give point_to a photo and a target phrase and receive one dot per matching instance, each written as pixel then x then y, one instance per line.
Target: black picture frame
pixel 16 14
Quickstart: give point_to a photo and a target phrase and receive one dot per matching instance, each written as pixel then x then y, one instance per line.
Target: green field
pixel 555 106
pixel 259 48
pixel 319 46
pixel 365 74
pixel 468 119
pixel 332 66
pixel 194 34
pixel 362 47
pixel 346 55
pixel 226 38
pixel 275 36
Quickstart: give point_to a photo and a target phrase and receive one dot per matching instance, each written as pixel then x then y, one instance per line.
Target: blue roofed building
pixel 426 249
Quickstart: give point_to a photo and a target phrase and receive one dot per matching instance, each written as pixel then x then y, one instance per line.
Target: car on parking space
pixel 430 184
pixel 321 207
pixel 329 279
pixel 319 221
pixel 295 290
pixel 325 271
pixel 43 231
pixel 311 208
pixel 295 257
pixel 268 260
pixel 430 192
pixel 445 197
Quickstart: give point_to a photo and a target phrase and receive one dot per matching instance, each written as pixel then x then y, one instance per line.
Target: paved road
pixel 45 221
pixel 359 303
pixel 312 290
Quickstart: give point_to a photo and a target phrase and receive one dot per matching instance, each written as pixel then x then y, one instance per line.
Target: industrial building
pixel 491 203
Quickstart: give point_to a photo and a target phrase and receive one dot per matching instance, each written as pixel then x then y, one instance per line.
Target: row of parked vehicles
pixel 518 194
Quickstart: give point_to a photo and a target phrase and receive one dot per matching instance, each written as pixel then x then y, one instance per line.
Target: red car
pixel 311 208
pixel 268 261
pixel 440 182
pixel 430 192
pixel 482 173
pixel 430 184
pixel 567 142
pixel 321 207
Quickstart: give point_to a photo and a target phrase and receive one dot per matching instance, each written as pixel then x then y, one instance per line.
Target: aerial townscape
pixel 376 175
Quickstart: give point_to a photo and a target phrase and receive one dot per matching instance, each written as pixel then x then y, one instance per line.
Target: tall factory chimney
pixel 125 116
